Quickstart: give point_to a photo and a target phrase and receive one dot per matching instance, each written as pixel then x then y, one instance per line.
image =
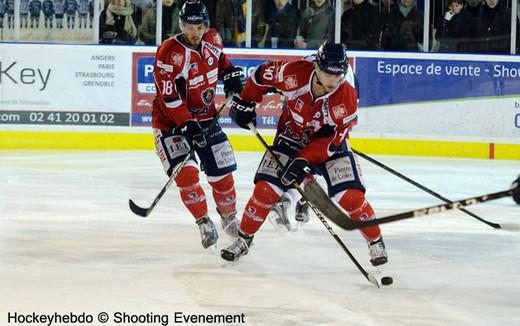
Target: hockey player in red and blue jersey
pixel 187 67
pixel 312 132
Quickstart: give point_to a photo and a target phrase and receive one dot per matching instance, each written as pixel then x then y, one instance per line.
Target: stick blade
pixel 138 210
pixel 372 279
pixel 319 199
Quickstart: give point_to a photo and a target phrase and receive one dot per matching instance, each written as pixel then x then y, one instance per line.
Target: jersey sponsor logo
pixel 290 81
pixel 212 76
pixel 339 111
pixel 207 95
pixel 213 49
pixel 211 61
pixel 340 170
pixel 177 59
pixel 299 105
pixel 198 111
pixel 164 67
pixel 195 81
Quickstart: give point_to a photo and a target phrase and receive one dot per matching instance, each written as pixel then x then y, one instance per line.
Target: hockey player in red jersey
pixel 312 132
pixel 187 67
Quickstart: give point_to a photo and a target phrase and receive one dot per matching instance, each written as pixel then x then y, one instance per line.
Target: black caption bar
pixel 65 118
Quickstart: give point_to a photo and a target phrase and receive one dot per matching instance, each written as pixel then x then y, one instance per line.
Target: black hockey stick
pixel 336 215
pixel 424 188
pixel 144 212
pixel 312 202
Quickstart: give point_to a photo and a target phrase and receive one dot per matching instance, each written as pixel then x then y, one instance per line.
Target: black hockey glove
pixel 242 112
pixel 194 134
pixel 233 81
pixel 296 171
pixel 516 191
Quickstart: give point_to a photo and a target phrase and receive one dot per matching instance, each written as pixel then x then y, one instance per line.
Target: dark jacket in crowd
pixel 402 33
pixel 361 27
pixel 455 34
pixel 317 24
pixel 493 29
pixel 283 24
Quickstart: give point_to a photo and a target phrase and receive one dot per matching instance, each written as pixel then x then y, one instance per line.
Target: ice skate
pixel 230 224
pixel 238 248
pixel 278 215
pixel 302 212
pixel 377 252
pixel 208 232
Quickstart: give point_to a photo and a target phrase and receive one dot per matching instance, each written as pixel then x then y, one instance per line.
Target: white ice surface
pixel 68 242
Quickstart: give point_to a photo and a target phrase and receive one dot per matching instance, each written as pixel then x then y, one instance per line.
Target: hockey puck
pixel 387 280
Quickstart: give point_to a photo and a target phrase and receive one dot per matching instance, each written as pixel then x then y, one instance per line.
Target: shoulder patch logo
pixel 177 59
pixel 339 111
pixel 290 81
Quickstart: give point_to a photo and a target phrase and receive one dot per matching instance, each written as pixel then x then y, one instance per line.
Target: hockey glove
pixel 242 112
pixel 232 79
pixel 516 191
pixel 194 134
pixel 296 171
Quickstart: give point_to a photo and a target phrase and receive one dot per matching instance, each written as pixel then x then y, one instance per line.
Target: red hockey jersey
pixel 318 124
pixel 186 80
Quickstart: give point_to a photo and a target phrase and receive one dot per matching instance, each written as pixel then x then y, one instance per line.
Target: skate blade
pixel 213 249
pixel 281 229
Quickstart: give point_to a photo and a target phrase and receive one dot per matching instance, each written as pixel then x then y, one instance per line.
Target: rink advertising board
pixel 410 103
pixel 64 85
pixel 143 90
pixel 440 98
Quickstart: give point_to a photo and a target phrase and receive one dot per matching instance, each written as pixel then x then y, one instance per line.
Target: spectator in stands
pixel 473 7
pixel 494 27
pixel 361 26
pixel 403 29
pixel 316 25
pixel 170 22
pixel 116 25
pixel 347 5
pixel 455 28
pixel 283 20
pixel 230 21
pixel 518 28
pixel 225 21
pixel 260 27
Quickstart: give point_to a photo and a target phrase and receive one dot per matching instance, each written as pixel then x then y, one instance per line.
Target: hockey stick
pixel 144 212
pixel 341 219
pixel 311 202
pixel 424 188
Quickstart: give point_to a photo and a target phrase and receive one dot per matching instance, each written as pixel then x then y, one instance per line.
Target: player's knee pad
pixel 187 177
pixel 265 194
pixel 359 209
pixel 222 184
pixel 355 203
pixel 224 193
pixel 263 198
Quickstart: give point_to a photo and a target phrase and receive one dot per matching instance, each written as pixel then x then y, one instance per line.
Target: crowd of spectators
pixel 397 25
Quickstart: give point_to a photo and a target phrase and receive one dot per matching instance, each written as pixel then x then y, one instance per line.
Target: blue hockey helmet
pixel 332 58
pixel 194 12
